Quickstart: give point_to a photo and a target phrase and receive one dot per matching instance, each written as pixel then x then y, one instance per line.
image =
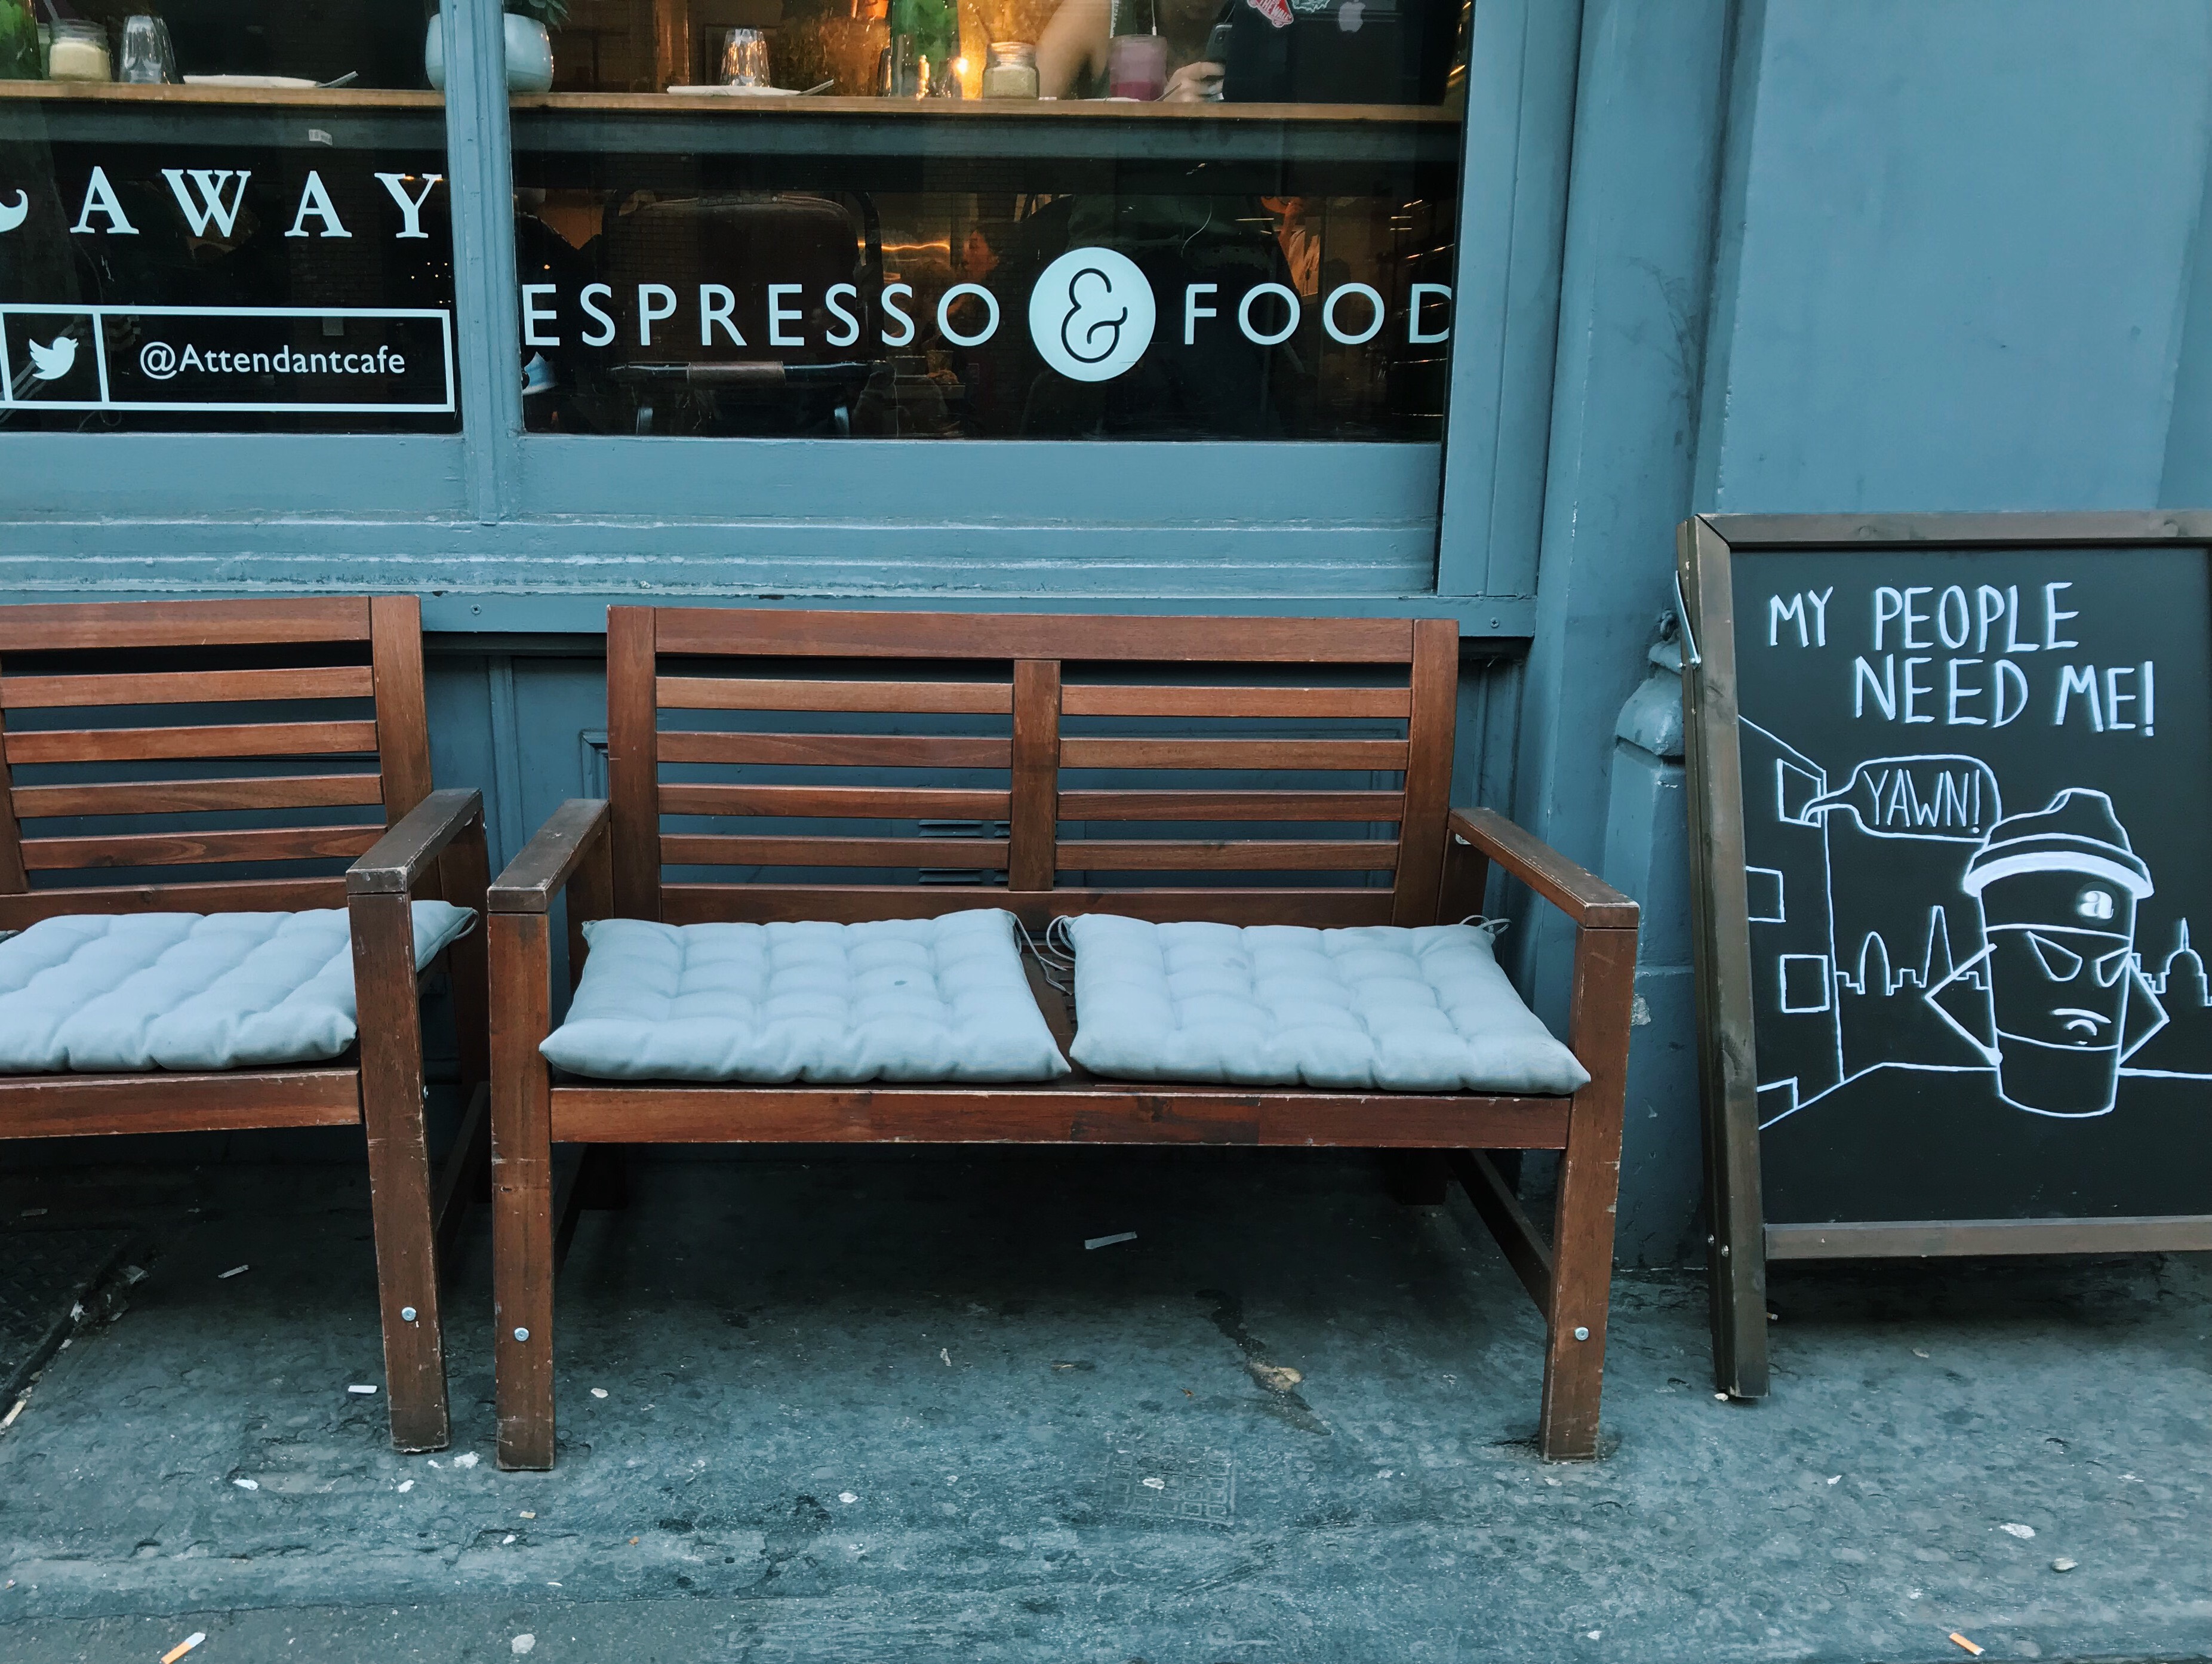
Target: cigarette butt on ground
pixel 232 1271
pixel 14 1411
pixel 1109 1241
pixel 1960 1640
pixel 184 1647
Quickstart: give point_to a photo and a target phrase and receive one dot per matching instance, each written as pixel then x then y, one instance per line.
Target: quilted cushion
pixel 141 991
pixel 1425 1009
pixel 900 999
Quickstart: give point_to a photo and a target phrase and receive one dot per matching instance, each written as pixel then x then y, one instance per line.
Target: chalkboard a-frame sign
pixel 1951 812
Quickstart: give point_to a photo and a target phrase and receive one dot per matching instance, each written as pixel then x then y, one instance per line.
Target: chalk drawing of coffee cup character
pixel 2055 999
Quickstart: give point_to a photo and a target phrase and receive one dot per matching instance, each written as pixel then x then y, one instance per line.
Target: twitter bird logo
pixel 52 361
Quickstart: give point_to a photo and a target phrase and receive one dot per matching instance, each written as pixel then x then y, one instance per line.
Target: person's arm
pixel 1072 51
pixel 1195 84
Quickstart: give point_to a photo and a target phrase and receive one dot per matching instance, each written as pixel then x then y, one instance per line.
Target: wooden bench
pixel 1023 736
pixel 210 715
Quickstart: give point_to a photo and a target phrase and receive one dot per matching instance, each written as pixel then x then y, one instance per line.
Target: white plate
pixel 736 92
pixel 266 83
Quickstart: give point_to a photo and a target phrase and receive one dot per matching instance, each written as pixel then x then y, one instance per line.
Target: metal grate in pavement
pixel 1190 1485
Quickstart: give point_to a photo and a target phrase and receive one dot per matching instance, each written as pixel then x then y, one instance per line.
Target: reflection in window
pixel 893 218
pixel 228 216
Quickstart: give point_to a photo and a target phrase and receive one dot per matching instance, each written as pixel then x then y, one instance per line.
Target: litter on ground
pixel 2022 1532
pixel 365 1392
pixel 232 1271
pixel 1109 1241
pixel 184 1647
pixel 247 1485
pixel 1960 1640
pixel 467 1459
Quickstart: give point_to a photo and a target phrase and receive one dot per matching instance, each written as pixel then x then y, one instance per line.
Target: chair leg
pixel 400 1184
pixel 522 1192
pixel 1574 1344
pixel 1590 1191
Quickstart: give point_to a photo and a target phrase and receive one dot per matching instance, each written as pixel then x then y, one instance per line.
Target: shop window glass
pixel 230 216
pixel 992 219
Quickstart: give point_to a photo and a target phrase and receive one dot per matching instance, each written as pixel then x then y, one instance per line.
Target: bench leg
pixel 522 1191
pixel 399 1185
pixel 1590 1189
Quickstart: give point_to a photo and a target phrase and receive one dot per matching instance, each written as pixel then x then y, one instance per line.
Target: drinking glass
pixel 149 59
pixel 744 58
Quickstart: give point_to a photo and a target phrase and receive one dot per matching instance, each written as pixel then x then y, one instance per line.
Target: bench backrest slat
pixel 1231 759
pixel 280 736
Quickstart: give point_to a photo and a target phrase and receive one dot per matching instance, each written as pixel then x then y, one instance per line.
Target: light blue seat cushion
pixel 910 999
pixel 1406 1011
pixel 133 991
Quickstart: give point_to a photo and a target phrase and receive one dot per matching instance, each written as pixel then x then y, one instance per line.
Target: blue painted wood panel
pixel 1957 254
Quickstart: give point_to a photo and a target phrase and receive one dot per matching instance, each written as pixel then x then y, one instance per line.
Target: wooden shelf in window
pixel 1355 142
pixel 934 109
pixel 321 98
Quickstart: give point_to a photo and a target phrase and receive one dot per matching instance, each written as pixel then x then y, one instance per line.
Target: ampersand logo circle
pixel 1091 314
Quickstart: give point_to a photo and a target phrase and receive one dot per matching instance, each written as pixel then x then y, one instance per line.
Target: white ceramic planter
pixel 529 54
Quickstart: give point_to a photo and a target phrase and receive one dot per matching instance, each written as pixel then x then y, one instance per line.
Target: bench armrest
pixel 1584 897
pixel 447 830
pixel 397 860
pixel 548 861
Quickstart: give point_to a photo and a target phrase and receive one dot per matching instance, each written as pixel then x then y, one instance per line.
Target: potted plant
pixel 529 44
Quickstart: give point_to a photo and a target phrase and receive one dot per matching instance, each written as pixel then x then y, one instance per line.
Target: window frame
pixel 495 510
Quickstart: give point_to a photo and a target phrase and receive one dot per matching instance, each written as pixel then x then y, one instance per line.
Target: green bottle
pixel 18 42
pixel 925 40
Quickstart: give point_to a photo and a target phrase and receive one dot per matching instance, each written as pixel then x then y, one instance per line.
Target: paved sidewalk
pixel 886 1406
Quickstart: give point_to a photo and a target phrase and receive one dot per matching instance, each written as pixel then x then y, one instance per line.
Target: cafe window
pixel 989 219
pixel 232 215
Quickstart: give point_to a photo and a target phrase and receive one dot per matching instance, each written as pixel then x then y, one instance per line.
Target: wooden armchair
pixel 238 723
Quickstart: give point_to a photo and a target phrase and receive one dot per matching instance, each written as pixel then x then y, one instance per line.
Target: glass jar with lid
pixel 79 52
pixel 1012 70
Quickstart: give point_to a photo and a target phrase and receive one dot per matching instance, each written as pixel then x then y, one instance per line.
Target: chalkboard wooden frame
pixel 1741 1241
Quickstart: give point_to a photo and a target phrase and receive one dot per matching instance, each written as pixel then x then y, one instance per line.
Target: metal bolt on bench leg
pixel 1580 1333
pixel 407 1314
pixel 522 1335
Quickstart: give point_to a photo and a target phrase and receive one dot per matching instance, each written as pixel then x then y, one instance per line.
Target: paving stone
pixel 924 1333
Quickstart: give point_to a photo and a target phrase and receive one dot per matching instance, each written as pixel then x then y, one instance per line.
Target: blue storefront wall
pixel 1716 255
pixel 1888 256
